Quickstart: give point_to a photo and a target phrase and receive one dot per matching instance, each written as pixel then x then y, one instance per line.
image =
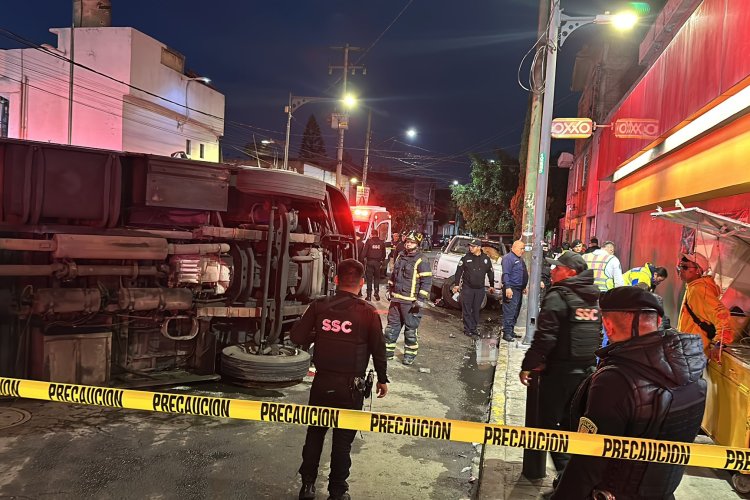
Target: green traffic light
pixel 640 8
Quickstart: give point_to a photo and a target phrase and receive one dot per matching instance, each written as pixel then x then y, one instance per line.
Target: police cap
pixel 475 242
pixel 629 298
pixel 570 260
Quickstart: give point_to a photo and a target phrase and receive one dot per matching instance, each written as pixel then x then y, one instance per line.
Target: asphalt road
pixel 67 452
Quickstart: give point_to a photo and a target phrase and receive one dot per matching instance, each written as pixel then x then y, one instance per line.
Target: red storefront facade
pixel 682 132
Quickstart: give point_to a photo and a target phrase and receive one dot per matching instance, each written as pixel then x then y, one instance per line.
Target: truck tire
pixel 280 183
pixel 288 365
pixel 448 296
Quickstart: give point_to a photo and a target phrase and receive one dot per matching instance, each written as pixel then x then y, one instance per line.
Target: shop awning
pixel 723 240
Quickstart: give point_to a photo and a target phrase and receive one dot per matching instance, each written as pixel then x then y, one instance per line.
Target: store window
pixel 4 107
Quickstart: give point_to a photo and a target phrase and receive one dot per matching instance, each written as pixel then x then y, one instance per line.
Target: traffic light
pixel 640 8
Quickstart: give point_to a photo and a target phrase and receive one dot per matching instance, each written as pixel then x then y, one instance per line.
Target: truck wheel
pixel 741 483
pixel 289 364
pixel 280 183
pixel 448 294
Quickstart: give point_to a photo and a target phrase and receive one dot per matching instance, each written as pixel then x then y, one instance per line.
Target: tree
pixel 404 213
pixel 313 147
pixel 485 201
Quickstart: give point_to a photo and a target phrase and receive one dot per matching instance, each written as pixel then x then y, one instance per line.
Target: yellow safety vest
pixel 598 263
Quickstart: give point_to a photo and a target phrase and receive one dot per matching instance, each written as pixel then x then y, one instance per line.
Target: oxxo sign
pixel 572 128
pixel 636 128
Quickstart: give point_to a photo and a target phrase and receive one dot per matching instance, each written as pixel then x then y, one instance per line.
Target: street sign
pixel 363 194
pixel 339 121
pixel 572 128
pixel 636 128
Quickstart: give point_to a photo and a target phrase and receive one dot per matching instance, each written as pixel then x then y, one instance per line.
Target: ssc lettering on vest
pixel 587 314
pixel 337 326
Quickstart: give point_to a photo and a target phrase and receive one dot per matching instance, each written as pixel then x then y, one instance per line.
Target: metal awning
pixel 708 223
pixel 723 240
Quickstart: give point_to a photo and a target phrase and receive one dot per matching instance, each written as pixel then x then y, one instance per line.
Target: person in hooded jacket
pixel 701 307
pixel 566 338
pixel 649 385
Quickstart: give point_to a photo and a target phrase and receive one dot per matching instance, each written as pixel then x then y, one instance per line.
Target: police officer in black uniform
pixel 567 336
pixel 649 384
pixel 346 331
pixel 470 274
pixel 374 255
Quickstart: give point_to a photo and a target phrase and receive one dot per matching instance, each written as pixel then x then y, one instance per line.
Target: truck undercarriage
pixel 130 265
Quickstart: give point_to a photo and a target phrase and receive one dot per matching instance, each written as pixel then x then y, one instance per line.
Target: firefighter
pixel 346 332
pixel 646 277
pixel 374 255
pixel 408 286
pixel 472 269
pixel 648 385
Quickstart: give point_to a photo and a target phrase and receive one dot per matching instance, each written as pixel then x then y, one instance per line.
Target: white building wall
pixel 108 114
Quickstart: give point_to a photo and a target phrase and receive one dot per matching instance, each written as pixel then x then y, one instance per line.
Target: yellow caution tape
pixel 597 445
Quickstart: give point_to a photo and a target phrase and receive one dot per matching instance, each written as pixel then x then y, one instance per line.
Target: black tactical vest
pixel 670 414
pixel 583 337
pixel 341 335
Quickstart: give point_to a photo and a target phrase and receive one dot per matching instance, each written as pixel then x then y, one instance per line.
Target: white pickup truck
pixel 445 263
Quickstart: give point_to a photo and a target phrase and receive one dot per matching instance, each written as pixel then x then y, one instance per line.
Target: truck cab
pixel 445 263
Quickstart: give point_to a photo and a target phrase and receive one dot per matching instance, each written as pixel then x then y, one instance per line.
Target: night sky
pixel 446 68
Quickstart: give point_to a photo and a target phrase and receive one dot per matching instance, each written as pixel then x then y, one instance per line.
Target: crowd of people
pixel 604 353
pixel 608 362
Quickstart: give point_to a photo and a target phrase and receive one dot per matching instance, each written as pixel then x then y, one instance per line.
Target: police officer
pixel 374 255
pixel 346 331
pixel 408 287
pixel 470 274
pixel 648 385
pixel 565 342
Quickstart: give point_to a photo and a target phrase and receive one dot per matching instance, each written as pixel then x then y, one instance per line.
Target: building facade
pixel 130 92
pixel 682 132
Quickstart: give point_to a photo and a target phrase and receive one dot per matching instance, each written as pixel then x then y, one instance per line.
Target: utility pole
pixel 367 149
pixel 346 67
pixel 70 83
pixel 532 166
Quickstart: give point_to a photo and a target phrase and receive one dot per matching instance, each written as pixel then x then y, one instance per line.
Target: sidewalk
pixel 500 469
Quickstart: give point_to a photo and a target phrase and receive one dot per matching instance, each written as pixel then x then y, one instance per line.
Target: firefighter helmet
pixel 414 236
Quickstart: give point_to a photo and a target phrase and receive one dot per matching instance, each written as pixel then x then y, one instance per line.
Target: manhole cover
pixel 13 416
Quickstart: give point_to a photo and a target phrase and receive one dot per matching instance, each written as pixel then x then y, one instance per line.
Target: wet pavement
pixel 69 451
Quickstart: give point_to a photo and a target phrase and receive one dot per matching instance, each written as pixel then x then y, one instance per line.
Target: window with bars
pixel 4 112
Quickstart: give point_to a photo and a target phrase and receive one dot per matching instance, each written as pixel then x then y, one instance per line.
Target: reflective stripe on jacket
pixel 411 278
pixel 597 263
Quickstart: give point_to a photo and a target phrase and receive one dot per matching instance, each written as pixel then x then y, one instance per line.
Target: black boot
pixel 344 496
pixel 377 296
pixel 307 492
pixel 369 297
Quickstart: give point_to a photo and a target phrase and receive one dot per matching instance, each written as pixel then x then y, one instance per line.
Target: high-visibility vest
pixel 638 275
pixel 598 263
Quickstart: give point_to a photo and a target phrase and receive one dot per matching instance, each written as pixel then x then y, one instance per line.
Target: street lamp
pixel 560 28
pixel 204 80
pixel 411 133
pixel 349 101
pixel 455 226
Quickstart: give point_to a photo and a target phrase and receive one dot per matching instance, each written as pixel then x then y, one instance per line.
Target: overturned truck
pixel 139 269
